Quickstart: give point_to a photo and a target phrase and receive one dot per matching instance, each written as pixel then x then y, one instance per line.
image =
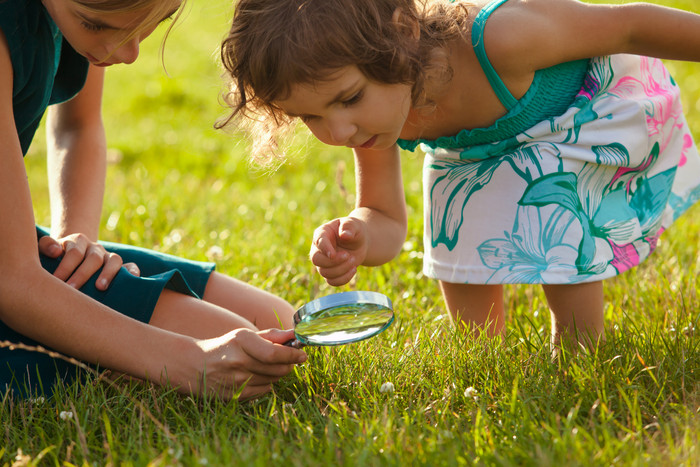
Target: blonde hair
pixel 156 11
pixel 273 45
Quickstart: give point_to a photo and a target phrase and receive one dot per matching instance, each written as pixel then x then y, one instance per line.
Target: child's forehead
pixel 329 81
pixel 321 93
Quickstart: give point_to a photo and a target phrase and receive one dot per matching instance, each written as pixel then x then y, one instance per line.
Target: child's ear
pixel 406 22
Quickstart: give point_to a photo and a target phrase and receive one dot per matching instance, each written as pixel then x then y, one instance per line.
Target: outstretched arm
pixel 536 34
pixel 381 203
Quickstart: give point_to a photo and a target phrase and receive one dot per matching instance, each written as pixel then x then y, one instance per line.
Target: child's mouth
pixel 369 143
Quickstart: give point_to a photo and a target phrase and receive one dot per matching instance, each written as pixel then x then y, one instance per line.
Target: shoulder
pixel 535 34
pixel 508 34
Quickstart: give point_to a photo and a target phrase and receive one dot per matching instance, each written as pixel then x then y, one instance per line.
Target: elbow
pixel 399 235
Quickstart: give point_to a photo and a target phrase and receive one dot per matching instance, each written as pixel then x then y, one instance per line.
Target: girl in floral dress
pixel 556 147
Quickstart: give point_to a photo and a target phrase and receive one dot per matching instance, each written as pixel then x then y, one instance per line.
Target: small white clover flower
pixel 66 415
pixel 471 392
pixel 387 387
pixel 38 400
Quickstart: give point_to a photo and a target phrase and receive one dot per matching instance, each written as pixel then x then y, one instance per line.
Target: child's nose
pixel 341 132
pixel 128 52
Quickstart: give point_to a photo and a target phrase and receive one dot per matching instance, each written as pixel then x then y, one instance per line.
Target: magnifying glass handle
pixel 297 344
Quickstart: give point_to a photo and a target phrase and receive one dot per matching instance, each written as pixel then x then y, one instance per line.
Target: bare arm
pixel 76 163
pixel 380 203
pixel 535 34
pixel 76 155
pixel 40 306
pixel 374 232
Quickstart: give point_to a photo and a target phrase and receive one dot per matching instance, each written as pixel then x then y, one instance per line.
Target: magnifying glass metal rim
pixel 354 297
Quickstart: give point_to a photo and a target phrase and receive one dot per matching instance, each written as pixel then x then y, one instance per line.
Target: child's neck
pixel 467 101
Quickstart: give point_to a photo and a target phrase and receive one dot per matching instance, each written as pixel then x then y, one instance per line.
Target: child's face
pixel 350 110
pixel 99 37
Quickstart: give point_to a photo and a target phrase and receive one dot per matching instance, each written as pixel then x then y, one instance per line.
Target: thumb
pixel 348 230
pixel 48 246
pixel 277 336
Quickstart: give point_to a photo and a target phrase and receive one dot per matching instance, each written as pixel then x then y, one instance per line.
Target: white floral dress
pixel 579 196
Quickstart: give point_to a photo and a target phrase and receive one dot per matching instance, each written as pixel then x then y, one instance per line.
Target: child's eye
pixel 91 26
pixel 354 99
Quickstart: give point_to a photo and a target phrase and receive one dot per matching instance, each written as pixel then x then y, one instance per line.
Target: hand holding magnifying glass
pixel 341 318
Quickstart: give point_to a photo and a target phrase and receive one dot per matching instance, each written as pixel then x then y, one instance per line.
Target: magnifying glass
pixel 341 318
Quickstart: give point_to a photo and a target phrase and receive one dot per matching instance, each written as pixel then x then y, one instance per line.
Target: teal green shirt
pixel 46 69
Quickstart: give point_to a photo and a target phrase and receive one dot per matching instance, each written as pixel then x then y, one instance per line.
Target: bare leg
pixel 475 307
pixel 193 317
pixel 261 308
pixel 227 304
pixel 577 313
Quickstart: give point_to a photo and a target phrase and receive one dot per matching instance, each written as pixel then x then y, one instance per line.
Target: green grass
pixel 179 186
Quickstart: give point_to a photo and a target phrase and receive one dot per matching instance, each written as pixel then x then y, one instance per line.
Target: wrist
pixel 181 365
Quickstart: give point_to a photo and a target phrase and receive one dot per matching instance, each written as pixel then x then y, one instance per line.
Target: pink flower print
pixel 663 109
pixel 640 169
pixel 687 144
pixel 624 256
pixel 591 85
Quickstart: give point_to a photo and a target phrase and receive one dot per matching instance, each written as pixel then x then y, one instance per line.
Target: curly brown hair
pixel 273 45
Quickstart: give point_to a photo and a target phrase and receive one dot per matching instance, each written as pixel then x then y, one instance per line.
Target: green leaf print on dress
pixel 460 181
pixel 535 252
pixel 620 215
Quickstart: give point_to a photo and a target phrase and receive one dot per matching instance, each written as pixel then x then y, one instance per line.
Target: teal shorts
pixel 28 372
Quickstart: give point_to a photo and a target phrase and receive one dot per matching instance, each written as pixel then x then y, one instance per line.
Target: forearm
pixel 662 32
pixel 76 164
pixel 76 158
pixel 64 319
pixel 381 203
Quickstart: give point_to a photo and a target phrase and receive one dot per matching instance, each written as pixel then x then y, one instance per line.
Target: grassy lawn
pixel 177 185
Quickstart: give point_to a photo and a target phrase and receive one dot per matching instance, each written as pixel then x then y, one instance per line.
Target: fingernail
pixel 72 284
pixel 102 283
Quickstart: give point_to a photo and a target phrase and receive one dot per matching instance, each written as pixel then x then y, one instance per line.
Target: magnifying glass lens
pixel 343 324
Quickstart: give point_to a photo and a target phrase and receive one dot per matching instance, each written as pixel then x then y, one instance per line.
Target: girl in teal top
pixel 556 148
pixel 136 311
